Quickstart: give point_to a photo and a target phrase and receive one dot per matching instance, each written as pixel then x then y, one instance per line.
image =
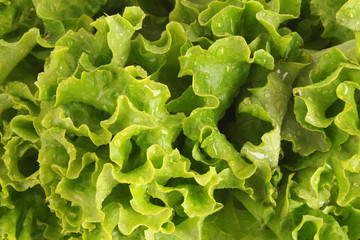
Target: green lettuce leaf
pixel 327 10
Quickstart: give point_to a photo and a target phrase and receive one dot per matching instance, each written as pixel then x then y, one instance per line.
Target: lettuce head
pixel 180 119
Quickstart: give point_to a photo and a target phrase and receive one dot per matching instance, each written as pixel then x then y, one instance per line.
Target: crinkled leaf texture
pixel 179 119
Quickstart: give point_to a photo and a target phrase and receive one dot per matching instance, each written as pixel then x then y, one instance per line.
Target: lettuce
pixel 179 119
